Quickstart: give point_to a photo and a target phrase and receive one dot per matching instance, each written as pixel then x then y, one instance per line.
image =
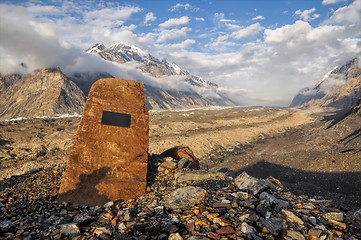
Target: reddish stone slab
pixel 108 160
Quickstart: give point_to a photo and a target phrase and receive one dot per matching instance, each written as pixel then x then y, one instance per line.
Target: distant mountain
pixel 338 89
pixel 122 53
pixel 46 92
pixel 156 97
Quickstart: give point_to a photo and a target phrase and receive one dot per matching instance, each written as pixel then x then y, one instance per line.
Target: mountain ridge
pixel 42 93
pixel 339 89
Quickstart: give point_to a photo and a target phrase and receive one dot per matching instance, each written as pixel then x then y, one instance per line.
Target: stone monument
pixel 108 160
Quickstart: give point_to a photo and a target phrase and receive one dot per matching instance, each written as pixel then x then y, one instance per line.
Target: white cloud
pixel 182 45
pixel 287 33
pixel 325 2
pixel 149 18
pixel 347 14
pixel 172 34
pixel 221 43
pixel 110 17
pixel 220 18
pixel 247 31
pixel 200 19
pixel 259 17
pixel 175 22
pixel 37 9
pixel 186 7
pixel 307 14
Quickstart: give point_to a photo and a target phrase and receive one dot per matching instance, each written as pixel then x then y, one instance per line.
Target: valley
pixel 297 146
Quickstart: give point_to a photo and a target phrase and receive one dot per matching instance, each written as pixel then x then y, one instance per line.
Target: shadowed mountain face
pixel 338 89
pixel 47 92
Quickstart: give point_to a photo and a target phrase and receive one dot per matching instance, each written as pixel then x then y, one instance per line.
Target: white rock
pixel 175 236
pixel 70 230
pixel 247 229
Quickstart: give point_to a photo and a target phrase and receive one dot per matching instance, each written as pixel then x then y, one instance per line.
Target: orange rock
pixel 338 233
pixel 315 212
pixel 108 160
pixel 221 221
pixel 54 192
pixel 202 224
pixel 214 235
pixel 314 234
pixel 337 223
pixel 226 230
pixel 180 152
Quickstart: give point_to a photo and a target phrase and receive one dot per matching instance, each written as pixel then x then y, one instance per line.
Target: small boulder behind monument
pixel 180 152
pixel 108 160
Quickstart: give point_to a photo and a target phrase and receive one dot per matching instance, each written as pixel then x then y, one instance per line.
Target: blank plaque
pixel 116 119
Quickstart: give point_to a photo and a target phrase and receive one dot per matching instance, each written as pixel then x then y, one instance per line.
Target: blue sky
pixel 262 51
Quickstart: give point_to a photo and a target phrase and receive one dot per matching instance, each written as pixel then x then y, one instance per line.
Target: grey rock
pixel 357 214
pixel 183 163
pixel 275 225
pixel 199 176
pixel 6 226
pixel 255 185
pixel 283 204
pixel 83 219
pixel 184 198
pixel 312 220
pixel 70 230
pixel 108 204
pixel 267 199
pixel 247 229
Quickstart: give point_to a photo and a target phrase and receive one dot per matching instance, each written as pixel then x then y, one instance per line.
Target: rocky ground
pixel 317 161
pixel 179 204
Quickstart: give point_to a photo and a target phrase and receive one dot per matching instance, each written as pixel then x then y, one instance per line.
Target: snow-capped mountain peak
pixel 98 47
pixel 122 52
pixel 133 53
pixel 326 76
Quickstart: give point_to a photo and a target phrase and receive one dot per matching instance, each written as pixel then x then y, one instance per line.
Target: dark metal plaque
pixel 116 119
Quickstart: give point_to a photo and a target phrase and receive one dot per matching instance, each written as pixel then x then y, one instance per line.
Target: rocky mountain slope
pixel 46 92
pixel 338 89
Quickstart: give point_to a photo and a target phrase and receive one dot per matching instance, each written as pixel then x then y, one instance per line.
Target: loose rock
pixel 184 198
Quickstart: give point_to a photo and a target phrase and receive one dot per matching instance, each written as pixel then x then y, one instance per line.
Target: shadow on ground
pixel 85 191
pixel 341 187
